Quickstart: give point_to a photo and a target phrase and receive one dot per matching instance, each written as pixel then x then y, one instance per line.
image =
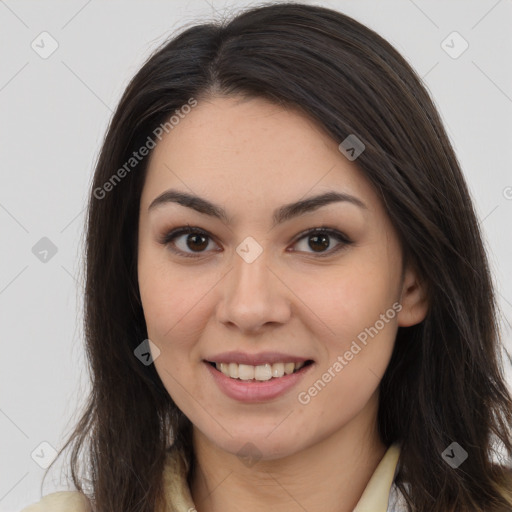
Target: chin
pixel 254 446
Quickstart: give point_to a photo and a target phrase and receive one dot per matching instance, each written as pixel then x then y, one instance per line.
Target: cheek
pixel 173 311
pixel 355 302
pixel 350 297
pixel 164 294
pixel 175 303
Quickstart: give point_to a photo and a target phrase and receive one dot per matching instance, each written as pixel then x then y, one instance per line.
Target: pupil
pixel 324 243
pixel 194 238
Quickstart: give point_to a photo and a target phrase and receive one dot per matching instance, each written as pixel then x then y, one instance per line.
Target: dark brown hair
pixel 444 382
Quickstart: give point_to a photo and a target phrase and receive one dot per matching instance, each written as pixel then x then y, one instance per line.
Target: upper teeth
pixel 260 372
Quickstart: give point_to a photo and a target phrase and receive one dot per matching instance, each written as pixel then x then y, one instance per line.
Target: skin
pixel 250 157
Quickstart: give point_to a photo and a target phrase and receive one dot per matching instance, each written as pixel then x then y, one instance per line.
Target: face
pixel 258 285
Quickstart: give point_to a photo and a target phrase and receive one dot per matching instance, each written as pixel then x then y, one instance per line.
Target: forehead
pixel 251 150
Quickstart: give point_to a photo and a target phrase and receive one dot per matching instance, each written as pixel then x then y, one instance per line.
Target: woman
pixel 288 303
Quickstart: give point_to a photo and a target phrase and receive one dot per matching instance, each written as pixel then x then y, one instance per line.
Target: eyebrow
pixel 280 215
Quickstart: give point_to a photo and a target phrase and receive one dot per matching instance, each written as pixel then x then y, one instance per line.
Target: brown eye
pixel 319 240
pixel 196 241
pixel 193 242
pixel 187 241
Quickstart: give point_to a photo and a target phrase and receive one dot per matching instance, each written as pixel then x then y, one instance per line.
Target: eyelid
pixel 335 233
pixel 169 236
pixel 342 238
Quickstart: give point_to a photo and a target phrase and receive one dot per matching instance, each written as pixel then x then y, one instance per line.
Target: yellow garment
pixel 374 498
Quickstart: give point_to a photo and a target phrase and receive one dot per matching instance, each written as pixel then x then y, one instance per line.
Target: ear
pixel 413 300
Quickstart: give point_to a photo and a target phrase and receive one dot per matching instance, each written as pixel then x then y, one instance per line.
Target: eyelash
pixel 169 237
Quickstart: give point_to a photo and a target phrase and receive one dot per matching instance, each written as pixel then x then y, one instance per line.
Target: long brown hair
pixel 444 383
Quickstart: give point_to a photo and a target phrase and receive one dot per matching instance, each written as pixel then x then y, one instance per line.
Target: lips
pixel 256 359
pixel 260 372
pixel 255 390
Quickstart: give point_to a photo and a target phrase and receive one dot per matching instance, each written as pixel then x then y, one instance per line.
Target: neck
pixel 332 472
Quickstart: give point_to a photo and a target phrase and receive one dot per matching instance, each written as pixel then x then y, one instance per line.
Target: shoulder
pixel 66 501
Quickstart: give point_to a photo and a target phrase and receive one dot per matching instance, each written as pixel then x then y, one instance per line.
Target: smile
pixel 257 383
pixel 261 372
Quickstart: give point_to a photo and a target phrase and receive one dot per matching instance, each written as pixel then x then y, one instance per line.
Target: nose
pixel 253 295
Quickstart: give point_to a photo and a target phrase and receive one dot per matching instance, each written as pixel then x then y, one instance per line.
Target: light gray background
pixel 54 113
